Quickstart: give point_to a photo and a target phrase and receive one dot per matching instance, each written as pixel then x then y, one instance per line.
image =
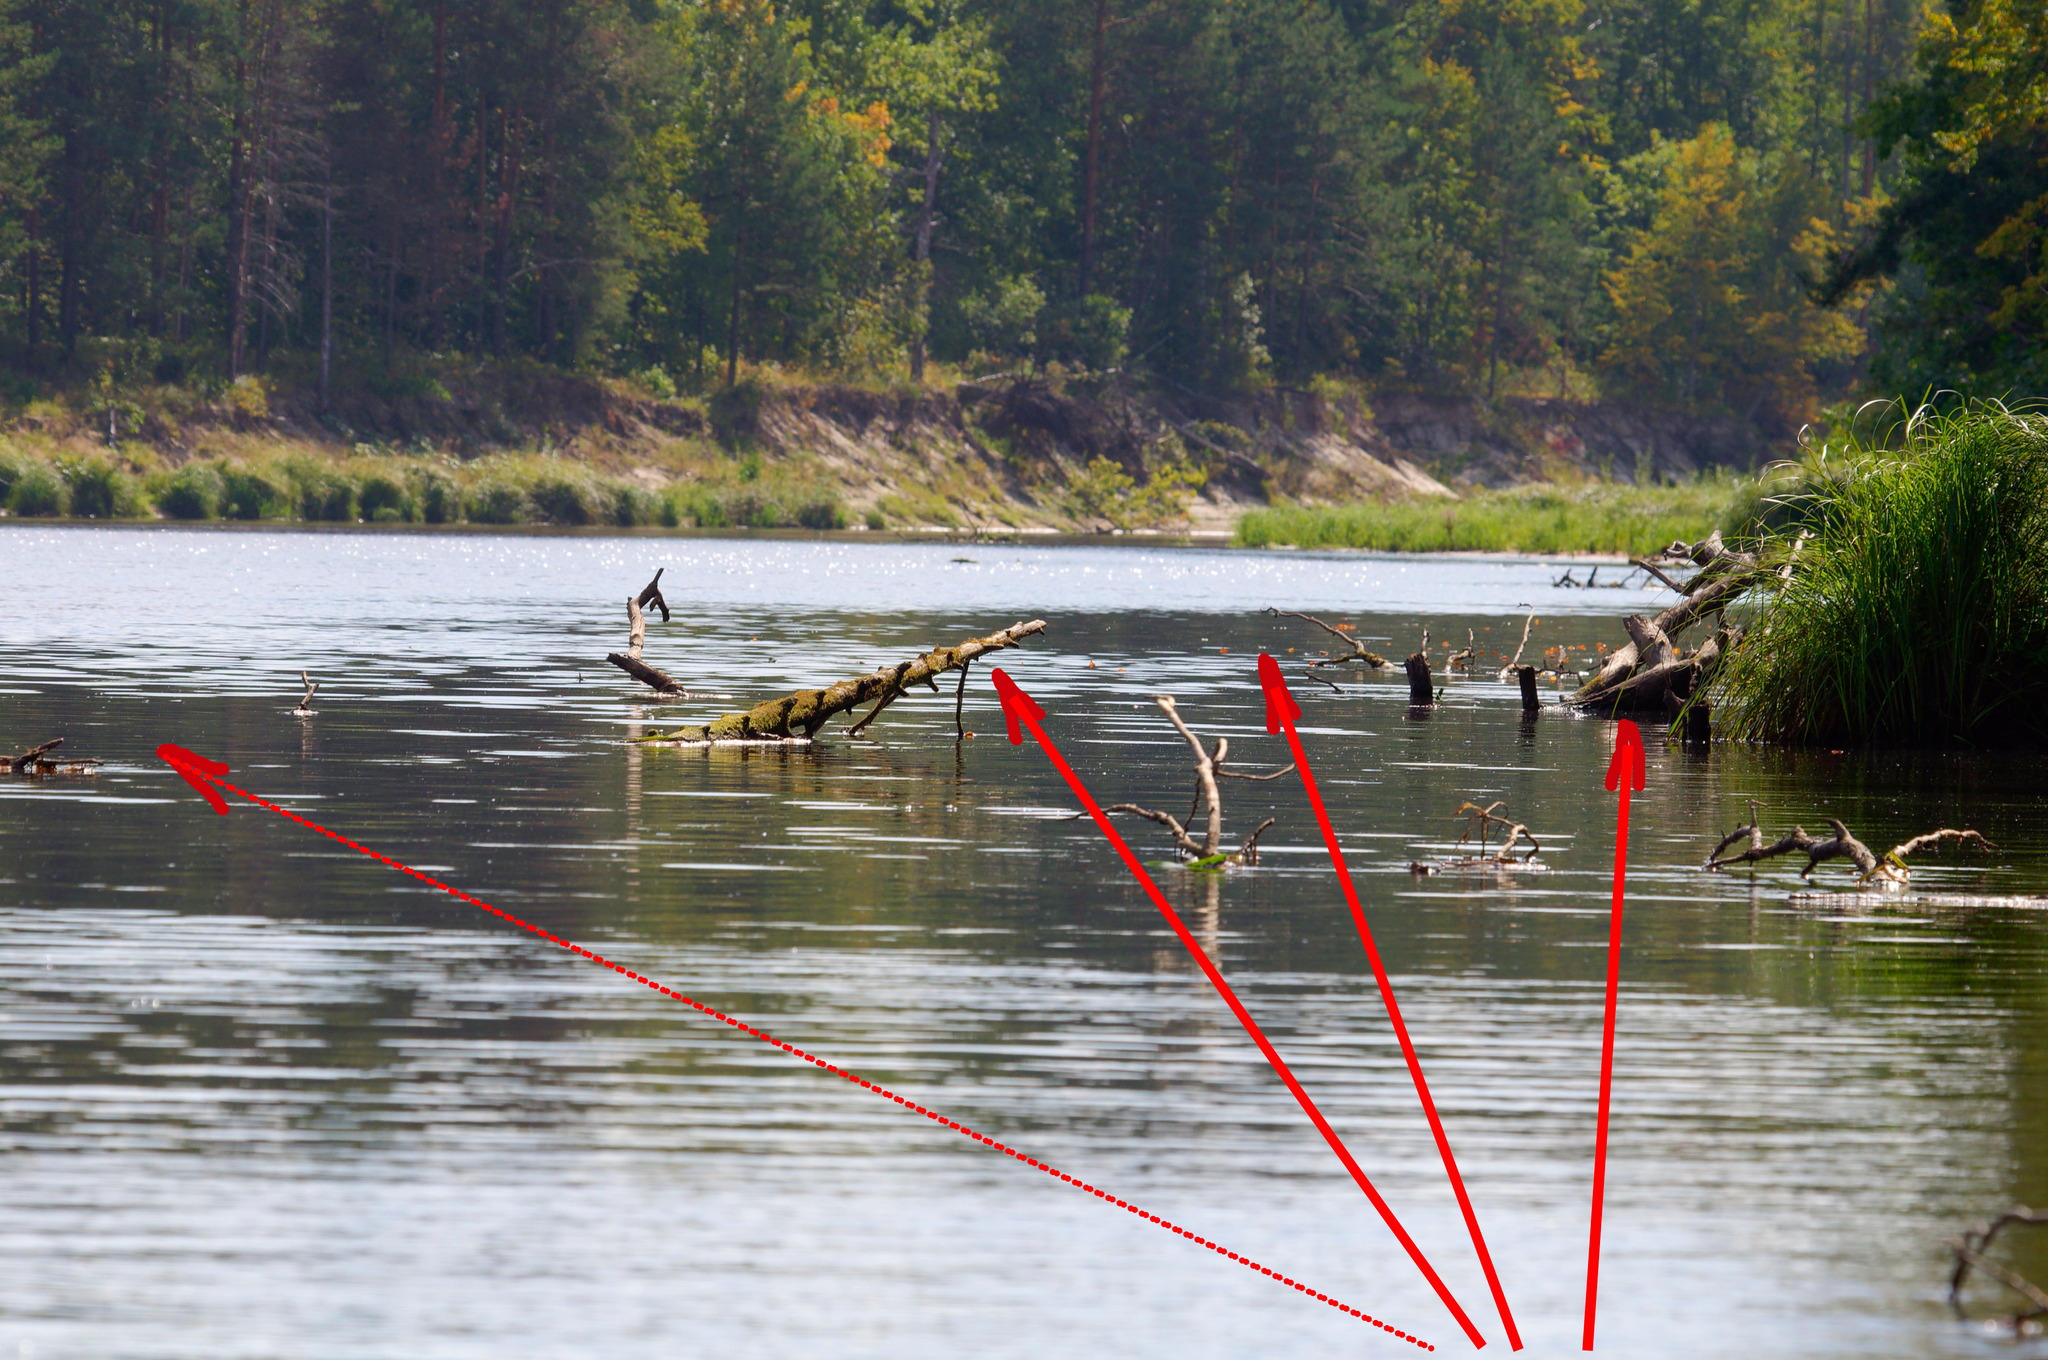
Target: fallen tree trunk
pixel 800 715
pixel 1640 675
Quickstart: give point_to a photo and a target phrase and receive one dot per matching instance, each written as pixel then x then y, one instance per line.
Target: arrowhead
pixel 194 768
pixel 1628 757
pixel 1280 705
pixel 1016 705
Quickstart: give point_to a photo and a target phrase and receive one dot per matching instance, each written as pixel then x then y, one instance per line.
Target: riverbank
pixel 517 444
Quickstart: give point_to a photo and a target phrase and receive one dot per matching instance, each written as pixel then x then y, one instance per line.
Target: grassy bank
pixel 421 488
pixel 1918 610
pixel 1600 517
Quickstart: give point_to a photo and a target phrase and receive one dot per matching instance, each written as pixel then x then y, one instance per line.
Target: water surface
pixel 260 1096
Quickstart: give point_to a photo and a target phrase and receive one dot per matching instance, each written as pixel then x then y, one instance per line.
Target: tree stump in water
pixel 1420 692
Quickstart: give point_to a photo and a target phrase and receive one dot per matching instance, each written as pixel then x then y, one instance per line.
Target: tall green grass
pixel 508 489
pixel 1918 612
pixel 1602 517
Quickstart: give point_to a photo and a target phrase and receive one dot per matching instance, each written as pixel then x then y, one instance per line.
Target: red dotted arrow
pixel 1020 711
pixel 206 776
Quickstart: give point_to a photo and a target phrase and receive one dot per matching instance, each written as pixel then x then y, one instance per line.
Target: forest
pixel 1738 206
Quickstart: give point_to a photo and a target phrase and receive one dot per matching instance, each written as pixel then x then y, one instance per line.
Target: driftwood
pixel 1970 1247
pixel 1643 674
pixel 1358 656
pixel 1891 867
pixel 1208 769
pixel 1461 660
pixel 37 761
pixel 629 661
pixel 799 716
pixel 1480 821
pixel 305 707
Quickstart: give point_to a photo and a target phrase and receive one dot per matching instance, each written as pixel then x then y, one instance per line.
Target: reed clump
pixel 1917 607
pixel 1597 517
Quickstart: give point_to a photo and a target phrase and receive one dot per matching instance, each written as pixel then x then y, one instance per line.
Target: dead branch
pixel 1654 571
pixel 1462 658
pixel 1892 868
pixel 1969 1248
pixel 802 714
pixel 1208 769
pixel 1359 655
pixel 19 764
pixel 1639 675
pixel 306 704
pixel 36 761
pixel 1515 662
pixel 629 661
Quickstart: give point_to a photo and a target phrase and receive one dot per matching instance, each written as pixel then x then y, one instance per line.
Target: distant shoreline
pixel 1133 538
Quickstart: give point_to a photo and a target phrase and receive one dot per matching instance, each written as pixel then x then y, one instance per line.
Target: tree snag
pixel 1645 673
pixel 1480 821
pixel 1208 769
pixel 1358 656
pixel 799 716
pixel 1889 868
pixel 630 661
pixel 1970 1247
pixel 37 761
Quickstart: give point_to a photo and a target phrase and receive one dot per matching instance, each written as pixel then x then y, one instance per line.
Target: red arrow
pixel 1019 708
pixel 1624 771
pixel 1282 711
pixel 201 774
pixel 186 763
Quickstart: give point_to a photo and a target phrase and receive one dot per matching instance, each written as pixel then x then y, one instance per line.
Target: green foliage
pixel 1596 518
pixel 194 491
pixel 1104 491
pixel 493 500
pixel 101 490
pixel 250 494
pixel 563 498
pixel 37 490
pixel 1918 610
pixel 385 499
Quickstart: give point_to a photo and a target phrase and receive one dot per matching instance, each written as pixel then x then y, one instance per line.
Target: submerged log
pixel 37 760
pixel 801 715
pixel 1891 867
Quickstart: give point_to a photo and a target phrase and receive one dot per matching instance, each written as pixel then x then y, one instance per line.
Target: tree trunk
pixel 508 190
pixel 732 332
pixel 811 709
pixel 238 226
pixel 437 161
pixel 932 160
pixel 326 281
pixel 1088 179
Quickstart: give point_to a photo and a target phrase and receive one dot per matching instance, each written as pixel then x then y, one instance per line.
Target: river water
pixel 260 1096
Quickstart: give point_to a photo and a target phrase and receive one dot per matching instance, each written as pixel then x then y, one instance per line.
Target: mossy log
pixel 800 715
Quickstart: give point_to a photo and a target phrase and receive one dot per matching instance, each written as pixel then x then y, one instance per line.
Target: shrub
pixel 99 490
pixel 736 410
pixel 876 521
pixel 630 505
pixel 823 513
pixel 326 495
pixel 1918 609
pixel 193 492
pixel 438 501
pixel 384 499
pixel 492 501
pixel 564 499
pixel 37 490
pixel 248 494
pixel 12 465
